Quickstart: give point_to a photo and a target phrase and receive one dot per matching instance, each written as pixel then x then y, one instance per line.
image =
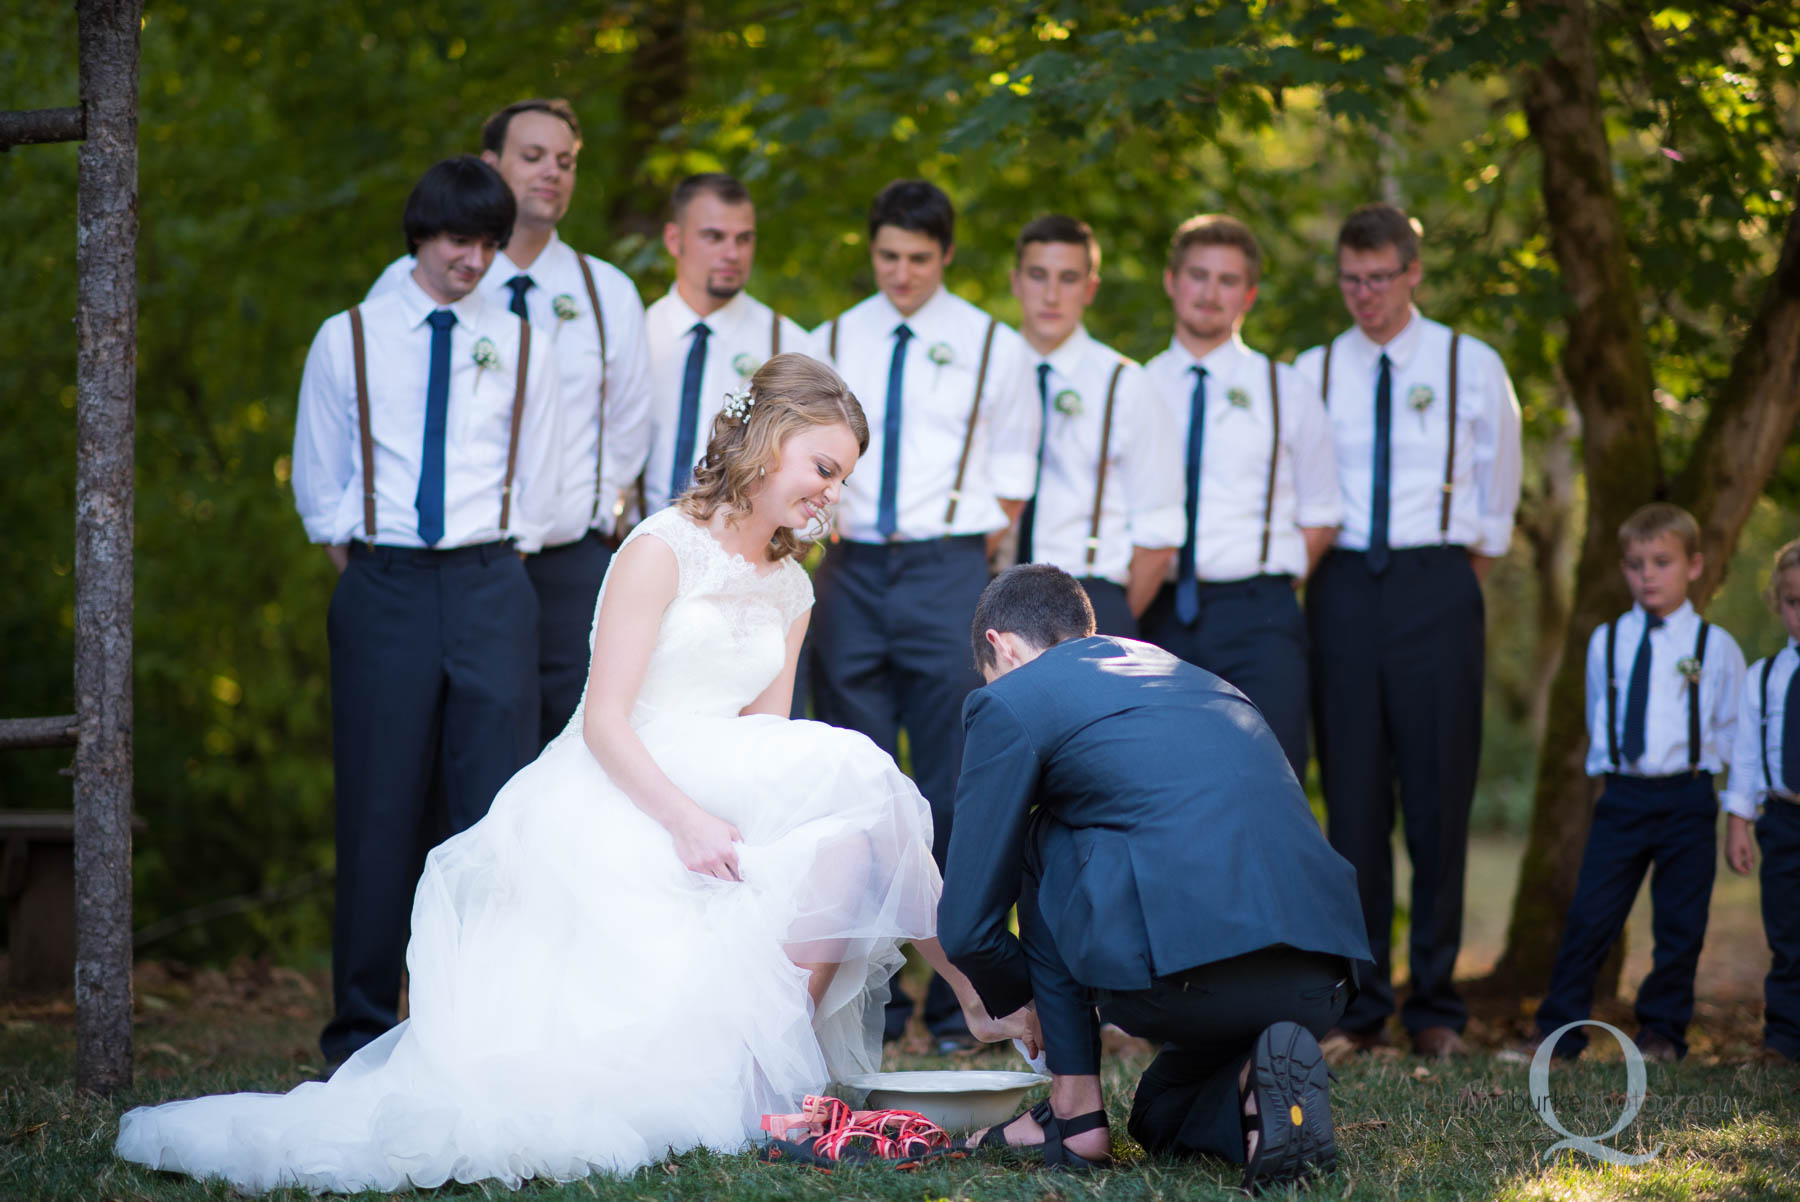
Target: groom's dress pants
pixel 434 705
pixel 890 651
pixel 566 580
pixel 1206 1019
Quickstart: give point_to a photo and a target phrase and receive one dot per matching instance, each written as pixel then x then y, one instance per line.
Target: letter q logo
pixel 1634 1098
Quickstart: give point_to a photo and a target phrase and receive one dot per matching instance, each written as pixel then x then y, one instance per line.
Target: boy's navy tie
pixel 887 508
pixel 1028 519
pixel 687 424
pixel 1790 736
pixel 520 285
pixel 1187 586
pixel 1382 468
pixel 1637 695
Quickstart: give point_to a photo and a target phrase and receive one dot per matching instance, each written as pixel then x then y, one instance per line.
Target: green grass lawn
pixel 1405 1129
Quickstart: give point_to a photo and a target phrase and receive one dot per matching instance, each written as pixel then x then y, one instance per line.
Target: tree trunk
pixel 655 95
pixel 1608 373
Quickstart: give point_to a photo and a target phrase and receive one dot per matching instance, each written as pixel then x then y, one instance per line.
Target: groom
pixel 1166 869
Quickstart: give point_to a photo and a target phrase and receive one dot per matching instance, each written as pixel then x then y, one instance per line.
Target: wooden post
pixel 105 417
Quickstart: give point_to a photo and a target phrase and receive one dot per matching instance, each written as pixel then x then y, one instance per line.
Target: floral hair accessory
pixel 563 306
pixel 1068 403
pixel 738 402
pixel 940 353
pixel 744 365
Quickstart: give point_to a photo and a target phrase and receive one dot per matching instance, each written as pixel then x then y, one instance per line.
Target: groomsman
pixel 1261 496
pixel 708 335
pixel 425 460
pixel 593 327
pixel 1108 504
pixel 1426 428
pixel 953 425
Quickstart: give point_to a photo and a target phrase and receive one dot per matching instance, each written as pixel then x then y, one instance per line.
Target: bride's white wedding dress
pixel 581 1002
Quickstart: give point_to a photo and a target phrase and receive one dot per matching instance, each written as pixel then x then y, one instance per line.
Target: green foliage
pixel 278 141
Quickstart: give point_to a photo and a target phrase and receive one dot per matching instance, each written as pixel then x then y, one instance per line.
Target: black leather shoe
pixel 1290 1083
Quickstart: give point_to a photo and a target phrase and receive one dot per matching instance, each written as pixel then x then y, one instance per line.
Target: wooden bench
pixel 37 879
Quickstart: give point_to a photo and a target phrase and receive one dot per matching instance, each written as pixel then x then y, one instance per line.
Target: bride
pixel 681 916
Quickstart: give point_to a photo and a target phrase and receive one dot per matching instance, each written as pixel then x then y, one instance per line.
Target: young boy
pixel 1662 687
pixel 1766 769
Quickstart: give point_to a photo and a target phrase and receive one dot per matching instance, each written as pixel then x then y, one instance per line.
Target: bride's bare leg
pixel 819 978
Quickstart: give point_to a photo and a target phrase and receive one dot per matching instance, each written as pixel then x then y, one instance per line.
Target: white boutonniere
pixel 941 354
pixel 738 403
pixel 485 356
pixel 1419 398
pixel 1068 403
pixel 563 306
pixel 744 365
pixel 1689 668
pixel 1237 398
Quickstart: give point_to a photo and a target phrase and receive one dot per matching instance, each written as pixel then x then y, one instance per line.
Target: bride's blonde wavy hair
pixel 789 393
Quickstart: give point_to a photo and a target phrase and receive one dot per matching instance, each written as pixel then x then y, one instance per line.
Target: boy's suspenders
pixel 1274 455
pixel 359 356
pixel 1112 393
pixel 1693 691
pixel 832 352
pixel 587 278
pixel 1762 732
pixel 962 462
pixel 1450 444
pixel 774 333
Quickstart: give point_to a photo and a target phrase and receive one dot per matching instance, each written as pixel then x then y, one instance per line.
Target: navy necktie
pixel 520 285
pixel 1790 736
pixel 887 509
pixel 1637 695
pixel 1378 479
pixel 1187 587
pixel 688 423
pixel 1028 520
pixel 430 501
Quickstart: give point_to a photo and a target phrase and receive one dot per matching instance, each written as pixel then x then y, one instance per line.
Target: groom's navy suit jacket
pixel 1154 814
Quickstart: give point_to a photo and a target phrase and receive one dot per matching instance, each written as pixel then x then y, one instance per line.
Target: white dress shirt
pixel 742 339
pixel 1485 477
pixel 934 419
pixel 1666 708
pixel 328 467
pixel 1234 460
pixel 1142 503
pixel 1749 786
pixel 556 274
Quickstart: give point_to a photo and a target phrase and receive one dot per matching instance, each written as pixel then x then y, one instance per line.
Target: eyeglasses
pixel 1375 281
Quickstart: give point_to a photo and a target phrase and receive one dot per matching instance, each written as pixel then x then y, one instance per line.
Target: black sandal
pixel 1056 1130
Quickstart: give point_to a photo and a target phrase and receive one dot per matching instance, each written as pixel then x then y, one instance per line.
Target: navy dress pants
pixel 1206 1020
pixel 1397 666
pixel 1666 826
pixel 1251 635
pixel 1112 612
pixel 434 706
pixel 890 652
pixel 1778 836
pixel 567 582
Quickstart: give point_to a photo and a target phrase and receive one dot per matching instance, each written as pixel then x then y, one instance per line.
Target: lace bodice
pixel 723 638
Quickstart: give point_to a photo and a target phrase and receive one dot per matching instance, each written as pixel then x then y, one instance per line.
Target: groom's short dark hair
pixel 1039 602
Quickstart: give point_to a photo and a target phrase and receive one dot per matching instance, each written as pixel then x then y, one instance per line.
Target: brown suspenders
pixel 359 356
pixel 587 278
pixel 834 328
pixel 1450 446
pixel 1274 456
pixel 518 415
pixel 774 333
pixel 362 421
pixel 1106 421
pixel 962 463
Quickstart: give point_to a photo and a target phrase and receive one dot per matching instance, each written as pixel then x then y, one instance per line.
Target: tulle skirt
pixel 580 1002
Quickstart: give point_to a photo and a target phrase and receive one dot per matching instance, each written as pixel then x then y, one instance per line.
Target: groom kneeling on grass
pixel 1166 870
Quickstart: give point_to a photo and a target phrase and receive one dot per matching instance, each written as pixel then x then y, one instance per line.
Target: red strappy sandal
pixel 833 1134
